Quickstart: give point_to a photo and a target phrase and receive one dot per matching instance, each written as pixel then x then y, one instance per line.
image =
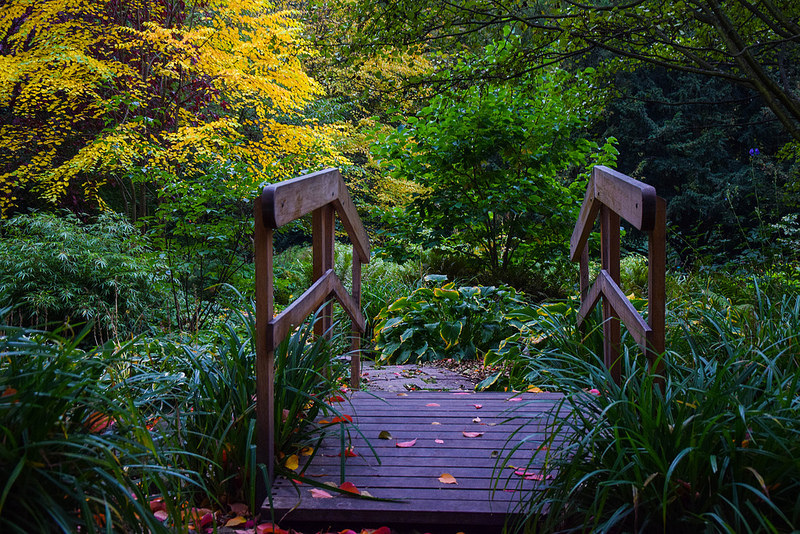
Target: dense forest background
pixel 136 134
pixel 465 132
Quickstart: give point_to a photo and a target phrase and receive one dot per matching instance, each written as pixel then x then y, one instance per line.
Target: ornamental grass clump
pixel 712 444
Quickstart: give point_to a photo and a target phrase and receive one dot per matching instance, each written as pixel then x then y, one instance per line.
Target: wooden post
pixel 656 283
pixel 265 355
pixel 322 241
pixel 355 342
pixel 610 253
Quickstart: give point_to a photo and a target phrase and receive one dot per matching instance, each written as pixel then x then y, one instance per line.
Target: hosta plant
pixel 445 322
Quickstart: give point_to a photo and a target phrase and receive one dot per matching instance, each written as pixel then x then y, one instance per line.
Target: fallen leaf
pixel 385 434
pixel 447 478
pixel 348 453
pixel 235 521
pixel 161 515
pixel 472 434
pixel 436 423
pixel 478 406
pixel 307 451
pixel 381 530
pixel 594 391
pixel 298 482
pixel 349 487
pixel 406 443
pixel 269 528
pixel 347 531
pixel 532 475
pixel 336 398
pixel 342 419
pixel 402 394
pixel 495 454
pixel 157 504
pixel 534 389
pixel 514 399
pixel 292 462
pixel 239 508
pixel 432 404
pixel 440 441
pixel 476 420
pixel 365 493
pixel 462 393
pixel 320 494
pixel 97 422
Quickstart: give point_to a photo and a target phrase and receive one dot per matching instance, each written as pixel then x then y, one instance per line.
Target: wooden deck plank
pixel 488 491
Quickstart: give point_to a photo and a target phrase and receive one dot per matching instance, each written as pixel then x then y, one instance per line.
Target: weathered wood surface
pixel 610 196
pixel 323 194
pixel 488 492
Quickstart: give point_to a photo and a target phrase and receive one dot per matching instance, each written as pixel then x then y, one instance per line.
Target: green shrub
pixel 445 322
pixel 56 270
pixel 75 452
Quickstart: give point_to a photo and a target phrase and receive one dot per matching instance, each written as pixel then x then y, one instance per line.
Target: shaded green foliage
pixel 710 148
pixel 439 322
pixel 56 270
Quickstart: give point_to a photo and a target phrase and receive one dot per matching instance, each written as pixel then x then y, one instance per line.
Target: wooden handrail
pixel 323 194
pixel 609 196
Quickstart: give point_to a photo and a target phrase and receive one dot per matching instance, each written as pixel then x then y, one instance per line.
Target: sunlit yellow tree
pixel 127 93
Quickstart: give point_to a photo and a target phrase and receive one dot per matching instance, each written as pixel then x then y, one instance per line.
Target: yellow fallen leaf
pixel 238 520
pixel 292 462
pixel 447 478
pixel 534 389
pixel 307 451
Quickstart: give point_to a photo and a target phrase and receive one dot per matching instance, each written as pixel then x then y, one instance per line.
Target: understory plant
pixel 445 322
pixel 57 270
pixel 89 438
pixel 75 452
pixel 711 444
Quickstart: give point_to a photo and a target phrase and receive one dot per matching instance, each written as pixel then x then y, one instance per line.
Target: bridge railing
pixel 609 196
pixel 324 195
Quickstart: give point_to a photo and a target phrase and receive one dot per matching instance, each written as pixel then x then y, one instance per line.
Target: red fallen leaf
pixel 349 487
pixel 157 504
pixel 347 531
pixel 320 494
pixel 8 392
pixel 478 406
pixel 406 443
pixel 269 528
pixel 161 515
pixel 432 404
pixel 97 422
pixel 298 482
pixel 472 434
pixel 382 530
pixel 439 441
pixel 152 423
pixel 335 398
pixel 342 419
pixel 532 475
pixel 348 453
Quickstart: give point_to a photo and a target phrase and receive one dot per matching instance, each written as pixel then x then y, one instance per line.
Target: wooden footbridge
pixel 431 460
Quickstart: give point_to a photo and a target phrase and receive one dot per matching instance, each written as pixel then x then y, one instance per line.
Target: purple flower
pixel 754 152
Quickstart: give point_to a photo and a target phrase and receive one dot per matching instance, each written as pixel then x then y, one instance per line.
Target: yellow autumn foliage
pixel 92 89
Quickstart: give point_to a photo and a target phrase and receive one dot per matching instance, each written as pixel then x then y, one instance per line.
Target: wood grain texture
pixel 488 490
